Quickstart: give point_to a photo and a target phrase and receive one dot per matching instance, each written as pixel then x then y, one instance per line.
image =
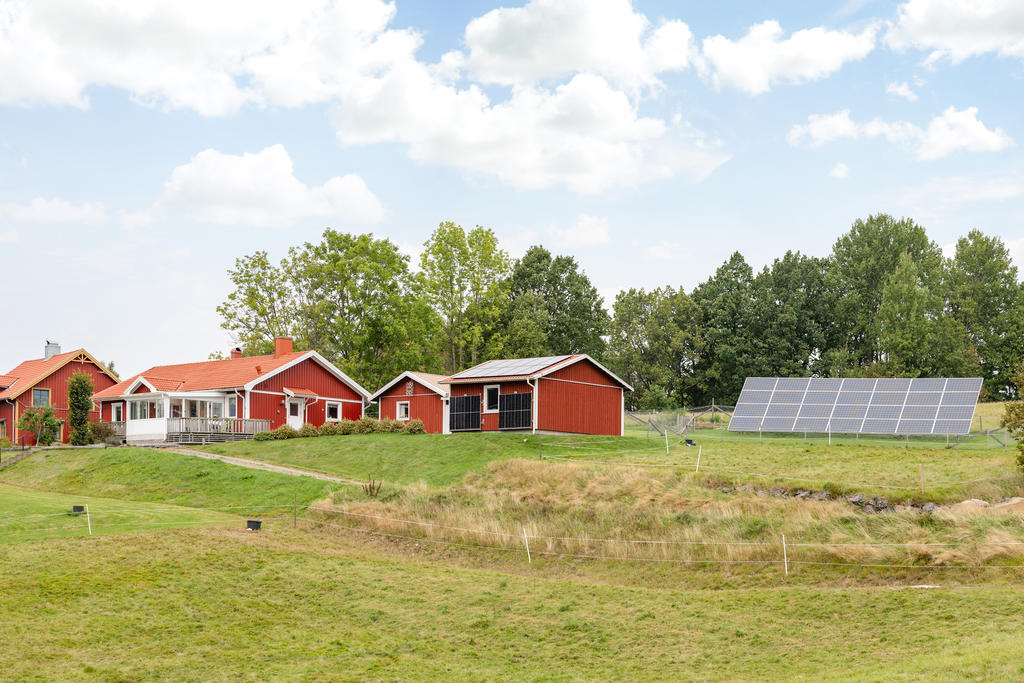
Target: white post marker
pixel 699 449
pixel 88 519
pixel 785 558
pixel 526 540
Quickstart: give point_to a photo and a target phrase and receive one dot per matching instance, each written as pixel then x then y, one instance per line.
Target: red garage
pixel 572 394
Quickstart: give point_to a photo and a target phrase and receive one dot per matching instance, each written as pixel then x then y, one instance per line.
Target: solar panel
pixel 860 405
pixel 513 367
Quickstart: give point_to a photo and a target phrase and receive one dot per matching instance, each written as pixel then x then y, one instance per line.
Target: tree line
pixel 884 302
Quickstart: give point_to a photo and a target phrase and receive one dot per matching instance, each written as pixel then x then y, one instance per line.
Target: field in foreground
pixel 219 603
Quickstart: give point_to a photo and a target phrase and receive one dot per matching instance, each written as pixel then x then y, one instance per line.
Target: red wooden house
pixel 572 394
pixel 44 382
pixel 231 399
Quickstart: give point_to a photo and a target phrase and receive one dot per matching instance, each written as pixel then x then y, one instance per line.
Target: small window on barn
pixel 40 398
pixel 402 410
pixel 333 411
pixel 293 408
pixel 491 398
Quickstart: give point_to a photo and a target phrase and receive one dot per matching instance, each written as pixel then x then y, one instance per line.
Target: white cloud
pixel 414 251
pixel 589 231
pixel 958 29
pixel 1016 248
pixel 951 131
pixel 901 89
pixel 210 57
pixel 556 38
pixel 261 190
pixel 840 171
pixel 9 237
pixel 571 119
pixel 762 58
pixel 664 251
pixel 56 210
pixel 584 135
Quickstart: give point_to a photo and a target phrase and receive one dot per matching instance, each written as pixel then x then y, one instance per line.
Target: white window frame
pixel 298 408
pixel 398 411
pixel 231 407
pixel 496 387
pixel 118 409
pixel 327 409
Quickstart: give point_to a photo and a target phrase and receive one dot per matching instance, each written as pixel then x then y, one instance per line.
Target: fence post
pixel 785 557
pixel 699 449
pixel 666 440
pixel 88 519
pixel 526 540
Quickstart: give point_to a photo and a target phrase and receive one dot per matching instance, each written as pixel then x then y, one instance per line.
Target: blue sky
pixel 144 147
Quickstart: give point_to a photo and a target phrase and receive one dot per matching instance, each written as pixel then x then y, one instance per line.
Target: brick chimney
pixel 283 346
pixel 236 353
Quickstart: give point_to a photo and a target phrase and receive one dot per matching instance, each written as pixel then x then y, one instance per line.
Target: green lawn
pixel 29 515
pixel 212 604
pixel 145 474
pixel 439 461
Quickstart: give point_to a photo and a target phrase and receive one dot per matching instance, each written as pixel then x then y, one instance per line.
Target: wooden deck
pixel 213 429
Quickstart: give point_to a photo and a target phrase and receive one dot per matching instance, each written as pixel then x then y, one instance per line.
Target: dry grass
pixel 661 515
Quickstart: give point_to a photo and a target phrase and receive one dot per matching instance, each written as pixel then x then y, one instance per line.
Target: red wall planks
pixel 579 399
pixel 424 404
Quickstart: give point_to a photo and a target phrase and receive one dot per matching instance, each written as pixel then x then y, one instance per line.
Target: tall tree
pixel 575 320
pixel 464 279
pixel 791 309
pixel 916 337
pixel 260 306
pixel 80 390
pixel 655 344
pixel 726 302
pixel 986 298
pixel 863 259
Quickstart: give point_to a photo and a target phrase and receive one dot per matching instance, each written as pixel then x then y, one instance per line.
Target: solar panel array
pixel 513 367
pixel 856 405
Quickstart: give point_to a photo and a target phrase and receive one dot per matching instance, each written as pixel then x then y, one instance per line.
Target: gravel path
pixel 257 465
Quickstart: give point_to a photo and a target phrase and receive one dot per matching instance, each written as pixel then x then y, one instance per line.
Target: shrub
pixel 263 436
pixel 330 429
pixel 101 431
pixel 347 427
pixel 307 430
pixel 42 422
pixel 285 432
pixel 366 425
pixel 391 426
pixel 414 427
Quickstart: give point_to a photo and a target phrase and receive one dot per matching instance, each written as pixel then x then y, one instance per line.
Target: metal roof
pixel 890 405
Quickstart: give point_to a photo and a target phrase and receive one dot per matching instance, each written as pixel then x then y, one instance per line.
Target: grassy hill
pixel 219 604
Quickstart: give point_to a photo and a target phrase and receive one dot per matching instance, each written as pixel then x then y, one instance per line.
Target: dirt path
pixel 257 465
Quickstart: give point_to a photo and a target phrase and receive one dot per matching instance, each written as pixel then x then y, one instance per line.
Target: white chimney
pixel 50 350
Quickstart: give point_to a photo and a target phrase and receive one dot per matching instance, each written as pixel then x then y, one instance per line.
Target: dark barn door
pixel 464 414
pixel 515 411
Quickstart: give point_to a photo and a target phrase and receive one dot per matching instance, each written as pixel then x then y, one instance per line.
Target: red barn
pixel 223 400
pixel 415 396
pixel 44 382
pixel 572 394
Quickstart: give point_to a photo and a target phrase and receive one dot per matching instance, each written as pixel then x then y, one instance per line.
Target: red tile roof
pixel 300 392
pixel 7 380
pixel 205 375
pixel 31 372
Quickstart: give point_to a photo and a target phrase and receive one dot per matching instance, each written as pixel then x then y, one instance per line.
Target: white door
pixel 295 412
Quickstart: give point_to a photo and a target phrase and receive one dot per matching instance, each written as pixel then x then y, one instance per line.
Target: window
pixel 3 429
pixel 117 413
pixel 232 406
pixel 402 410
pixel 216 409
pixel 491 398
pixel 40 398
pixel 333 411
pixel 59 434
pixel 293 408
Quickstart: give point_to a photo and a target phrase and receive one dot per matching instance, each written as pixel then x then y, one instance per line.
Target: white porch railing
pixel 231 427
